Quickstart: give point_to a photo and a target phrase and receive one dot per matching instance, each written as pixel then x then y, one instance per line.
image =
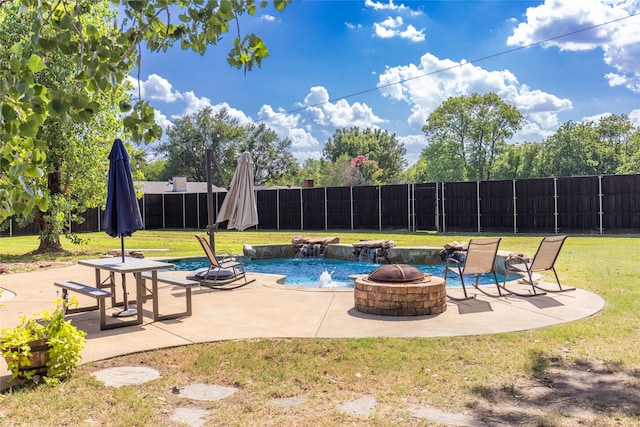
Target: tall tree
pixel 273 162
pixel 190 136
pixel 518 161
pixel 69 172
pixel 569 151
pixel 614 133
pixel 440 161
pixel 102 62
pixel 374 144
pixel 475 127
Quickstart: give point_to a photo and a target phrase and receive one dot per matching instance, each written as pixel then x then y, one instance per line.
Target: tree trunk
pixel 47 221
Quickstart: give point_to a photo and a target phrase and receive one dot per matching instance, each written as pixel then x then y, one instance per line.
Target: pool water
pixel 308 272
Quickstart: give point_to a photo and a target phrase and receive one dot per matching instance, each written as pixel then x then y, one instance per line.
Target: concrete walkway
pixel 266 309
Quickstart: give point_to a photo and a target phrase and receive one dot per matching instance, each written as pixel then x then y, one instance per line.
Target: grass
pixel 477 373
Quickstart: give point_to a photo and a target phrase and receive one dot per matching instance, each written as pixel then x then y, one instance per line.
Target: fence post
pixel 444 213
pixel 278 208
pixel 326 213
pixel 351 205
pixel 198 210
pixel 515 209
pixel 163 213
pixel 410 203
pixel 301 211
pixel 478 207
pixel 380 207
pixel 601 212
pixel 438 229
pixel 555 204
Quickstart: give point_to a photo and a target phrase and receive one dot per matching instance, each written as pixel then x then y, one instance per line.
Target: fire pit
pixel 400 290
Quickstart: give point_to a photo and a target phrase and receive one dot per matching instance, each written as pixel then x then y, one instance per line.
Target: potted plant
pixel 44 345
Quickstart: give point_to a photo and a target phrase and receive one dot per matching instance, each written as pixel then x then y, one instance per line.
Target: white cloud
pixel 596 118
pixel 317 117
pixel 393 27
pixel 634 116
pixel 338 114
pixel 385 6
pixel 303 143
pixel 532 132
pixel 155 88
pixel 268 18
pixel 619 40
pixel 426 85
pixel 161 120
pixel 351 26
pixel 414 144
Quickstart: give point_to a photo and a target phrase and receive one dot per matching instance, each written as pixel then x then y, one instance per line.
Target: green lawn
pixel 482 375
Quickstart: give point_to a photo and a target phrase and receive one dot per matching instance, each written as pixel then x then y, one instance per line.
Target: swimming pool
pixel 310 272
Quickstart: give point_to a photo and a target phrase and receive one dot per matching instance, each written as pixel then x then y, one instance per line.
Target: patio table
pixel 135 266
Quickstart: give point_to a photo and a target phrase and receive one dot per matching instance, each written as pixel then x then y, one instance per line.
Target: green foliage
pixel 103 56
pixel 473 128
pixel 440 161
pixel 65 344
pixel 607 147
pixel 273 162
pixel 365 171
pixel 374 144
pixel 155 170
pixel 190 136
pixel 188 139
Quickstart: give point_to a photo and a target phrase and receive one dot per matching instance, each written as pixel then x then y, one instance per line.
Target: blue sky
pixel 336 64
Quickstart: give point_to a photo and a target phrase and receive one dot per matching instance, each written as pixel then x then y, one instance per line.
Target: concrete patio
pixel 266 309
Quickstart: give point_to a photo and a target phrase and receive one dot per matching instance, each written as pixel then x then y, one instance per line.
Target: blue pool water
pixel 307 272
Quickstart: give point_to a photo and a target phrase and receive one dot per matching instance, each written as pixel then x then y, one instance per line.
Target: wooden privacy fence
pixel 592 204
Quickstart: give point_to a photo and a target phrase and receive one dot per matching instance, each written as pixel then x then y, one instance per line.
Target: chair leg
pixel 560 288
pixel 518 294
pixel 464 289
pixel 477 286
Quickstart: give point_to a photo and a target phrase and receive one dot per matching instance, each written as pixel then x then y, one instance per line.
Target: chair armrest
pixel 450 260
pixel 517 259
pixel 222 256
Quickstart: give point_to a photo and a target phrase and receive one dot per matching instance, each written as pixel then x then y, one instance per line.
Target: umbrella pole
pixel 212 244
pixel 125 300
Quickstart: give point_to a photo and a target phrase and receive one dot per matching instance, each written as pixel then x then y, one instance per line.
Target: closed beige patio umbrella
pixel 239 205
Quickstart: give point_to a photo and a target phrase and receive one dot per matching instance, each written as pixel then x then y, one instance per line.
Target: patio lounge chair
pixel 222 271
pixel 479 258
pixel 543 260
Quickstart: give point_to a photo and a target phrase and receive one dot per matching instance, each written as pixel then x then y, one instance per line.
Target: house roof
pixel 165 187
pixel 161 187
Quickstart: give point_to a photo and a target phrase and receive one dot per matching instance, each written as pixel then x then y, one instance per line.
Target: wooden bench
pixel 175 281
pixel 90 291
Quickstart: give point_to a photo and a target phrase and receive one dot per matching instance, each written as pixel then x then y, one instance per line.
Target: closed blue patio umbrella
pixel 122 213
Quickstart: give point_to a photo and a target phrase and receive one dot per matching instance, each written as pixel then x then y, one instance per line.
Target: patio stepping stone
pixel 126 375
pixel 193 417
pixel 362 407
pixel 288 402
pixel 206 392
pixel 434 414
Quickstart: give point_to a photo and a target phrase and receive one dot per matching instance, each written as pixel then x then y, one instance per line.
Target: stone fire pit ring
pixel 400 290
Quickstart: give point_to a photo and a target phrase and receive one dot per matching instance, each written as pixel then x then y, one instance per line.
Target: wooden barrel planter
pixel 38 359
